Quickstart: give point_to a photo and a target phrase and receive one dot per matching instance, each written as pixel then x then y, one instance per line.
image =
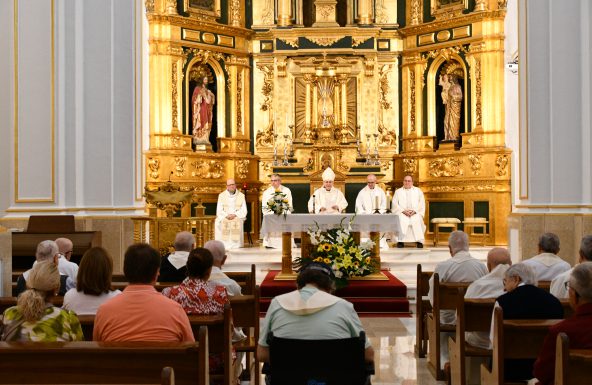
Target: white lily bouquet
pixel 278 204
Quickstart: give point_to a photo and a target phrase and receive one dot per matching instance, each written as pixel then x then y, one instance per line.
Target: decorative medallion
pixel 501 163
pixel 242 168
pixel 180 165
pixel 153 165
pixel 207 169
pixel 445 167
pixel 409 165
pixel 475 160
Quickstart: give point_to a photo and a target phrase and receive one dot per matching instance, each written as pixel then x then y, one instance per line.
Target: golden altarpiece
pixel 299 85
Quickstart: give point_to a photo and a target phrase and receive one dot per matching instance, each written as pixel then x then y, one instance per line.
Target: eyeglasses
pixel 371 182
pixel 275 180
pixel 232 184
pixel 69 252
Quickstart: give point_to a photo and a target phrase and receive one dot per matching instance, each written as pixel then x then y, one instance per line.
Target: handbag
pixel 8 332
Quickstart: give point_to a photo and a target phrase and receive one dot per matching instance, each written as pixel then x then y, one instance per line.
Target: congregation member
pixel 217 275
pixel 327 199
pixel 172 266
pixel 409 204
pixel 46 251
pixel 547 265
pixel 140 313
pixel 93 286
pixel 461 267
pixel 34 318
pixel 274 239
pixel 231 212
pixel 311 312
pixel 65 266
pixel 370 199
pixel 524 300
pixel 559 284
pixel 578 328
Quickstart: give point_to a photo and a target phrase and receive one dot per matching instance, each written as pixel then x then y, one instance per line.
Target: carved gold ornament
pixel 412 100
pixel 267 87
pixel 207 169
pixel 446 53
pixel 356 41
pixel 383 86
pixel 174 97
pixel 180 165
pixel 267 14
pixel 235 13
pixel 381 12
pixel 291 41
pixel 242 168
pixel 153 165
pixel 169 197
pixel 475 160
pixel 445 167
pixel 415 12
pixel 409 166
pixel 501 163
pixel 149 4
pixel 324 41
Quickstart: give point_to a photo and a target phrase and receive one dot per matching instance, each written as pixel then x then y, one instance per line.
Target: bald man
pixel 231 212
pixel 66 247
pixel 370 198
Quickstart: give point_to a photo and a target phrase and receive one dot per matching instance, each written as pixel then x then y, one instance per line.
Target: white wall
pixel 79 116
pixel 555 103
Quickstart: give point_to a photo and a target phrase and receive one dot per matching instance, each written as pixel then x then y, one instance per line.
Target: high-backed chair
pixel 423 307
pixel 245 314
pixel 572 366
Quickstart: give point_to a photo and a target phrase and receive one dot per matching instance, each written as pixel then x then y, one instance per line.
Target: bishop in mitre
pixel 327 199
pixel 274 239
pixel 409 205
pixel 369 199
pixel 231 212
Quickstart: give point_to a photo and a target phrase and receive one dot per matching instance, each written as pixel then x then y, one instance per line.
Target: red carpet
pixel 370 298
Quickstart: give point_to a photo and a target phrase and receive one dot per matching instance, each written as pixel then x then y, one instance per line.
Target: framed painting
pixel 209 8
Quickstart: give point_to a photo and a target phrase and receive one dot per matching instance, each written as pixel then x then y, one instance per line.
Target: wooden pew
pixel 472 315
pixel 545 285
pixel 423 307
pixel 513 339
pixel 87 362
pixel 446 295
pixel 572 366
pixel 245 314
pixel 220 340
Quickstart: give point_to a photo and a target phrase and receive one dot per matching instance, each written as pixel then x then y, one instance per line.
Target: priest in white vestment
pixel 547 265
pixel 274 239
pixel 558 284
pixel 369 199
pixel 327 199
pixel 409 205
pixel 231 212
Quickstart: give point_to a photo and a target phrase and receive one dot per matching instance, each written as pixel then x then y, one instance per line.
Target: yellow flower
pixel 318 259
pixel 327 261
pixel 277 190
pixel 347 261
pixel 327 247
pixel 285 200
pixel 368 260
pixel 356 264
pixel 340 249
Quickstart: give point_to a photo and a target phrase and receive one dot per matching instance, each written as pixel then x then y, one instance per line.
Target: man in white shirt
pixel 462 267
pixel 219 253
pixel 231 212
pixel 327 199
pixel 274 240
pixel 547 265
pixel 558 285
pixel 66 267
pixel 409 205
pixel 369 199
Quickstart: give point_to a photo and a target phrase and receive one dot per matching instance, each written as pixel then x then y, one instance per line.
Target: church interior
pixel 130 117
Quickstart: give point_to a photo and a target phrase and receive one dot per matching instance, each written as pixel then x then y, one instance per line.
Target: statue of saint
pixel 452 99
pixel 202 102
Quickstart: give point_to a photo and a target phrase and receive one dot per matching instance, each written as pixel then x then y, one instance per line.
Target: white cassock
pixel 327 199
pixel 547 266
pixel 558 288
pixel 230 232
pixel 412 228
pixel 274 239
pixel 460 268
pixel 366 203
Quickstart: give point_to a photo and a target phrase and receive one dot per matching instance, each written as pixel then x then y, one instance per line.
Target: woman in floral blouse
pixel 34 318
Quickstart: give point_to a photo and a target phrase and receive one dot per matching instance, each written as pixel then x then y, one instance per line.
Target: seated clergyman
pixel 231 212
pixel 327 199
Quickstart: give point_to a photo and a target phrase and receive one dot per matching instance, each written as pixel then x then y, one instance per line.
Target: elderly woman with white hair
pixel 524 300
pixel 578 328
pixel 34 318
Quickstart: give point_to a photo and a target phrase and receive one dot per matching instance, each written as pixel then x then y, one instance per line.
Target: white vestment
pixel 327 199
pixel 488 286
pixel 547 266
pixel 274 239
pixel 412 228
pixel 367 201
pixel 558 288
pixel 230 232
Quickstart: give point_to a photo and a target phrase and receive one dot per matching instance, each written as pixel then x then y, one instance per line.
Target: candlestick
pixel 368 160
pixel 285 162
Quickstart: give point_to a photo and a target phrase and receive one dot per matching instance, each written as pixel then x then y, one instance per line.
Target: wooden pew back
pixel 88 362
pixel 245 314
pixel 423 307
pixel 572 366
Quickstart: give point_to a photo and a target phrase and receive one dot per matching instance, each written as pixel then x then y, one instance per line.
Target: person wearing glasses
pixel 274 240
pixel 559 283
pixel 65 266
pixel 370 199
pixel 231 212
pixel 578 327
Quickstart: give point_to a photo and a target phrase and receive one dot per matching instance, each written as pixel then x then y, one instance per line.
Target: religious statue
pixel 452 99
pixel 202 103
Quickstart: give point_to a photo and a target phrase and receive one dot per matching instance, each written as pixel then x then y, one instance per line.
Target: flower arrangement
pixel 338 249
pixel 278 204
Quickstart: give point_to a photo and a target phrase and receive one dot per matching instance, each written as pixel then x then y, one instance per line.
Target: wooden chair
pixel 220 339
pixel 472 223
pixel 423 307
pixel 245 314
pixel 329 362
pixel 446 295
pixel 88 362
pixel 513 339
pixel 472 315
pixel 572 366
pixel 443 223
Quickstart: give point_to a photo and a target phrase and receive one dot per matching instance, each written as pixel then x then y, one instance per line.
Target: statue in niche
pixel 452 99
pixel 202 103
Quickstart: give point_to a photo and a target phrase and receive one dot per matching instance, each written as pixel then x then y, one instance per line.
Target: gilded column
pixel 336 108
pixel 315 101
pixel 343 82
pixel 284 17
pixel 364 12
pixel 307 108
